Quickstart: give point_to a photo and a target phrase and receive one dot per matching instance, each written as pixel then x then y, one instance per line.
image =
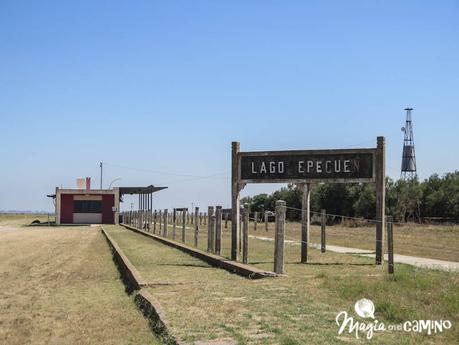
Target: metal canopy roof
pixel 140 190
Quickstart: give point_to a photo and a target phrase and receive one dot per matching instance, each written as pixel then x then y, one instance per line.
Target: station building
pixel 93 206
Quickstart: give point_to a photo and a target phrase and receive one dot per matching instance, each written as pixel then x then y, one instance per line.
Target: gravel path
pixel 403 259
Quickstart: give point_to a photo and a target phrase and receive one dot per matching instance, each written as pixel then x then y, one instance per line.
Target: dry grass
pixel 204 303
pixel 60 286
pixel 430 241
pixel 22 219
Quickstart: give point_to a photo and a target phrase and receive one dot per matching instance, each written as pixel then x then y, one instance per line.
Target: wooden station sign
pixel 306 167
pixel 348 165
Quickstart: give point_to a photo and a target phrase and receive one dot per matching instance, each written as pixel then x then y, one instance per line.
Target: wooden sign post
pixel 304 168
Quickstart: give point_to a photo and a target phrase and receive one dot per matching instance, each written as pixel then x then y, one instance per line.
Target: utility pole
pixel 101 170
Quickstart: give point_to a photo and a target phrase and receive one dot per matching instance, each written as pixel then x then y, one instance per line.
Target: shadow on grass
pixel 261 262
pixel 184 265
pixel 330 264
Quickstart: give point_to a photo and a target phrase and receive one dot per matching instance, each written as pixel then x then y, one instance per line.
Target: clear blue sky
pixel 159 89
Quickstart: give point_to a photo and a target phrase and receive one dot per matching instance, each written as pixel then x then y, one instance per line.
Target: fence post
pixel 165 222
pixel 305 221
pixel 218 230
pixel 323 224
pixel 184 214
pixel 255 220
pixel 196 225
pixel 160 218
pixel 240 232
pixel 245 234
pixel 154 222
pixel 210 212
pixel 212 233
pixel 174 223
pixel 266 220
pixel 380 177
pixel 390 245
pixel 205 218
pixel 279 237
pixel 226 220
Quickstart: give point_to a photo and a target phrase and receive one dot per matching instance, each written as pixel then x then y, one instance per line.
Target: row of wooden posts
pixel 159 221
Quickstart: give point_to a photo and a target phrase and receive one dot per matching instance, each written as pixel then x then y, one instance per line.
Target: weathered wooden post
pixel 174 223
pixel 139 223
pixel 200 218
pixel 205 218
pixel 160 218
pixel 235 200
pixel 165 222
pixel 245 234
pixel 151 210
pixel 380 175
pixel 196 226
pixel 145 211
pixel 240 232
pixel 226 220
pixel 255 220
pixel 266 221
pixel 210 232
pixel 154 222
pixel 305 221
pixel 218 230
pixel 323 224
pixel 390 245
pixel 279 237
pixel 184 213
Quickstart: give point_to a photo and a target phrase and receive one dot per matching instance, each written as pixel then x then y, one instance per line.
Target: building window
pixel 87 206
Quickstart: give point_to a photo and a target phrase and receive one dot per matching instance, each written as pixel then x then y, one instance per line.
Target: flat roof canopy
pixel 140 190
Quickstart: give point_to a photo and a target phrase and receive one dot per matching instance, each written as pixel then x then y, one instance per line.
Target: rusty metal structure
pixel 408 169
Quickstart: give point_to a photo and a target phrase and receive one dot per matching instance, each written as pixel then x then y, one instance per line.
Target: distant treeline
pixel 436 198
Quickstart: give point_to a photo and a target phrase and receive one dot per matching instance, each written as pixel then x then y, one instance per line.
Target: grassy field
pixel 204 303
pixel 60 286
pixel 430 241
pixel 436 242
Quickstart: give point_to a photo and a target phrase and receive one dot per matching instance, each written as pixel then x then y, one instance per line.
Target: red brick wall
pixel 66 208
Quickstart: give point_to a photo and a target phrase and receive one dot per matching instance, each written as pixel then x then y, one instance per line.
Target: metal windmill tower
pixel 408 154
